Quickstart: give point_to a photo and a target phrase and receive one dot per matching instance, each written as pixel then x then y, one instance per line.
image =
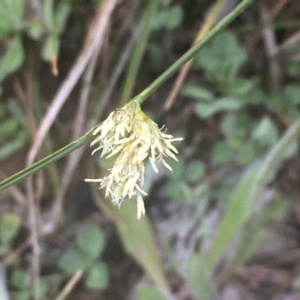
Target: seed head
pixel 134 139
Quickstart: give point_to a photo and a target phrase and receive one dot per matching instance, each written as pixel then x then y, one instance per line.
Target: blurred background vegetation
pixel 224 224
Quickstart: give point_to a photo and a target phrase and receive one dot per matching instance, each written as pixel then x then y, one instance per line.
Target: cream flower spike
pixel 134 138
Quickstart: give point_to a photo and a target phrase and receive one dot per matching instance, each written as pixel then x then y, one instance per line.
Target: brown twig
pixel 70 285
pixel 270 46
pixel 272 14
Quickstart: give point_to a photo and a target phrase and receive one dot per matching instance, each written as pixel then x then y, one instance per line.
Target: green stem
pixel 138 52
pixel 46 161
pixel 140 98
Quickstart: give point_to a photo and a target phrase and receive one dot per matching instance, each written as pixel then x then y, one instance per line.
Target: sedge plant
pixel 130 136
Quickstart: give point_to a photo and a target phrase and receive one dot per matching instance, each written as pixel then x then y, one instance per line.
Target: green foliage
pixel 9 227
pixel 75 260
pixel 245 195
pixel 22 290
pixel 168 17
pixel 255 231
pixel 185 181
pixel 205 110
pixel 221 58
pixel 149 293
pixel 290 98
pixel 14 24
pixel 198 279
pixel 241 109
pixel 55 21
pixel 13 57
pixel 196 92
pixel 13 129
pixel 138 240
pixel 97 277
pixel 90 242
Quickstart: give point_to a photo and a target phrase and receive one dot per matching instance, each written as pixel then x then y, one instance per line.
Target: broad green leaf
pixel 8 128
pixel 230 123
pixel 14 9
pixel 5 22
pixel 177 190
pixel 196 92
pixel 48 14
pixel 244 196
pixel 34 28
pixel 168 18
pixel 205 110
pixel 61 17
pixel 238 210
pixel 74 260
pixel 247 154
pixel 198 279
pixel 239 87
pixel 149 293
pixel 201 193
pixel 22 295
pixel 165 3
pixel 17 7
pixel 291 94
pixel 195 171
pixel 91 240
pixel 97 277
pixel 50 48
pixel 136 236
pixel 9 226
pixel 13 57
pixel 19 278
pixel 222 57
pixel 174 17
pixel 265 132
pixel 222 152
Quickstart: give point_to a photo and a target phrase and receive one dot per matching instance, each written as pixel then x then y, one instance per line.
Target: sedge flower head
pixel 134 139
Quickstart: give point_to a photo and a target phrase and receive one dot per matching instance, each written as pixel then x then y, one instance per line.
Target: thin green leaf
pixel 254 233
pixel 14 56
pixel 245 195
pixel 50 48
pixel 149 293
pixel 136 235
pixel 198 279
pixel 14 9
pixel 9 226
pixel 61 17
pixel 48 14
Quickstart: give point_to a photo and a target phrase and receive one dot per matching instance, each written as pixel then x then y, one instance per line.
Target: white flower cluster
pixel 133 137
